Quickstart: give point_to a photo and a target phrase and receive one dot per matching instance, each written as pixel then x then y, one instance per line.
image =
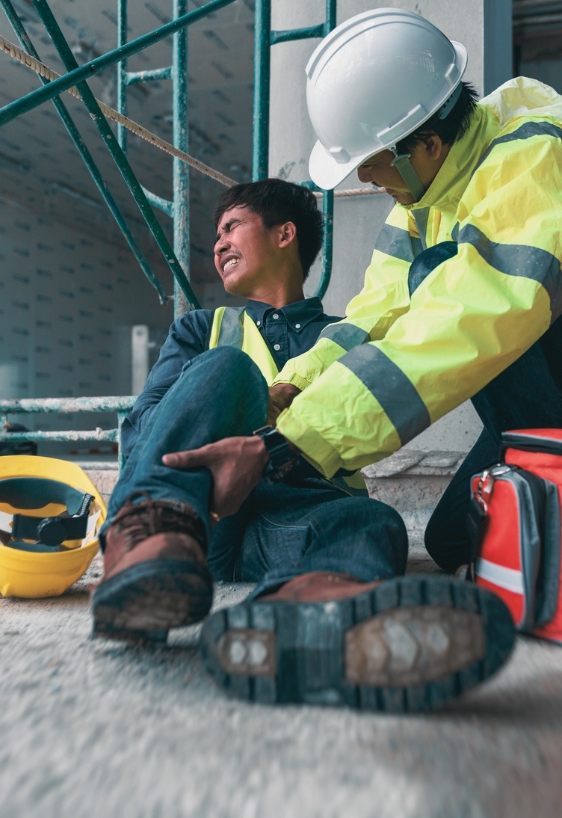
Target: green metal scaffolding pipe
pixel 90 69
pixel 180 138
pixel 150 75
pixel 122 136
pixel 262 63
pixel 296 34
pixel 264 38
pixel 165 205
pixel 178 209
pixel 65 406
pixel 61 406
pixel 263 41
pixel 94 171
pixel 114 148
pixel 72 436
pixel 328 213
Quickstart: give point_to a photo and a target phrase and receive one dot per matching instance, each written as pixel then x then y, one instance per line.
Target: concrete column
pixel 484 27
pixel 498 43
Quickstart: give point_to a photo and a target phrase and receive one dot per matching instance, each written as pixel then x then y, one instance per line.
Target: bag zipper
pixel 486 483
pixel 531 443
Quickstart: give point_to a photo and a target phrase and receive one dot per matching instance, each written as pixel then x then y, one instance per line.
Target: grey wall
pixel 497 43
pixel 547 71
pixel 70 289
pixel 484 27
pixel 67 303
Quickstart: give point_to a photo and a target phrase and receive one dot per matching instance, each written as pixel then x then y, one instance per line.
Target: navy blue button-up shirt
pixel 288 332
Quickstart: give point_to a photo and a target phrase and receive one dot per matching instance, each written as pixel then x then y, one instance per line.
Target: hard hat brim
pixel 326 172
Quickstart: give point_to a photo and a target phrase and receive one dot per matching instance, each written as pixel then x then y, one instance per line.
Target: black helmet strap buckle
pixel 49 532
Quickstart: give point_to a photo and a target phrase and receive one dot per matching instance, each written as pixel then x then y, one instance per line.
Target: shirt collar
pixel 297 315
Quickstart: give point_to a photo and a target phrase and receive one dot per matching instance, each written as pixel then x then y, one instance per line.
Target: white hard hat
pixel 375 79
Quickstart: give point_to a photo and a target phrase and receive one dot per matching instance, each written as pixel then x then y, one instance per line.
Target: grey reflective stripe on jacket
pixel 397 242
pixel 526 131
pixel 421 217
pixel 347 336
pixel 232 329
pixel 391 387
pixel 518 260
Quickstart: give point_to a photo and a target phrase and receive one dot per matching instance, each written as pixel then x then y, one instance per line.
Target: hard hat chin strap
pixel 402 162
pixel 406 170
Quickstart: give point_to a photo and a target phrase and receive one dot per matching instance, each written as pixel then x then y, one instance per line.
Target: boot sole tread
pixel 146 600
pixel 283 652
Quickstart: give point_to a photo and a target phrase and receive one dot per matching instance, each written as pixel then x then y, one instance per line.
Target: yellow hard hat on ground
pixel 50 515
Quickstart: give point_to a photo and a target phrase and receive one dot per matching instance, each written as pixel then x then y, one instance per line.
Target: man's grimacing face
pixel 246 252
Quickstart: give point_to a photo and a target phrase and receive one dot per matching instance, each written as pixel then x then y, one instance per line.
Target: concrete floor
pixel 93 728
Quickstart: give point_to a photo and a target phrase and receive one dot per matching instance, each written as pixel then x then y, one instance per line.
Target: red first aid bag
pixel 515 516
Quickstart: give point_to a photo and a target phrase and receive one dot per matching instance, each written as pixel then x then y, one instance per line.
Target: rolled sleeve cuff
pixel 293 379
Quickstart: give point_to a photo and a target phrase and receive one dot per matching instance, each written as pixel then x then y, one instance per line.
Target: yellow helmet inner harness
pixel 50 515
pixel 55 532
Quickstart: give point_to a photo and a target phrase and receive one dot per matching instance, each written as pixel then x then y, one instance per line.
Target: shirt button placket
pixel 277 335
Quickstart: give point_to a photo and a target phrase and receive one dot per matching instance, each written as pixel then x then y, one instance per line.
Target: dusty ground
pixel 89 728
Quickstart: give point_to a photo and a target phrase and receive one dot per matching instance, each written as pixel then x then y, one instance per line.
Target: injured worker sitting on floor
pixel 322 553
pixel 210 381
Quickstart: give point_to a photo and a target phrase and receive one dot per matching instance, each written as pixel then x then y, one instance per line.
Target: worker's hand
pixel 236 464
pixel 281 396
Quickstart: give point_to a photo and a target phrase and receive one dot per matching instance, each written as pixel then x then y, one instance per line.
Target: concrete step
pixel 413 481
pixel 103 475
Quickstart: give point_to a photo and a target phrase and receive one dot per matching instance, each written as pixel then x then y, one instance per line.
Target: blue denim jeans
pixel 291 528
pixel 526 395
pixel 282 529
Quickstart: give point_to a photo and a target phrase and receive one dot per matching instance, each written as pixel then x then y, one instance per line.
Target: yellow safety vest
pixel 232 326
pixel 398 363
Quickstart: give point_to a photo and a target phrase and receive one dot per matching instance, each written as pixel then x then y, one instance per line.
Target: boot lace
pixel 140 520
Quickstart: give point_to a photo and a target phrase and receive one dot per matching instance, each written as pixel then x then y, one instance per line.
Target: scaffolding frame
pixel 178 209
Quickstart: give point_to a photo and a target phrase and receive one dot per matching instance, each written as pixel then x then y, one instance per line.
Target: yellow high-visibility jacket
pixel 232 326
pixel 396 364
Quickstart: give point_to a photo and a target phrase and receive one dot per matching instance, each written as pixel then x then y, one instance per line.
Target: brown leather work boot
pixel 319 586
pixel 155 572
pixel 401 645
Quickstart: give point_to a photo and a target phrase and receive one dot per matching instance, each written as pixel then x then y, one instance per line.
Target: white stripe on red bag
pixel 498 575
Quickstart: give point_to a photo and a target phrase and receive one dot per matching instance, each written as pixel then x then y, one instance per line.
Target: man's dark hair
pixel 450 129
pixel 277 202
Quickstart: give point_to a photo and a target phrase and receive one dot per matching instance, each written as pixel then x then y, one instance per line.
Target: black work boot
pixel 402 645
pixel 155 572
